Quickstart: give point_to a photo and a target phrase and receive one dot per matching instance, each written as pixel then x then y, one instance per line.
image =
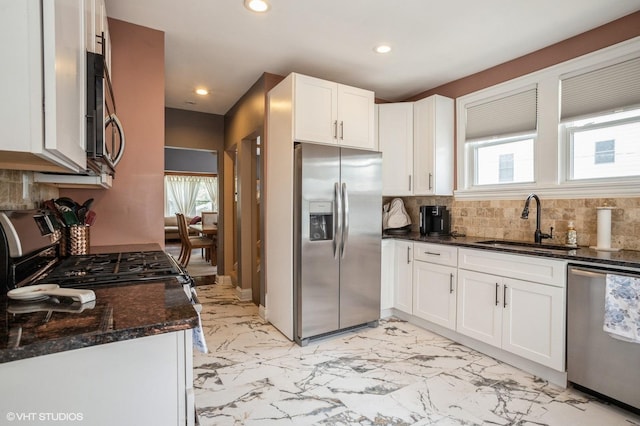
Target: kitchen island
pixel 125 358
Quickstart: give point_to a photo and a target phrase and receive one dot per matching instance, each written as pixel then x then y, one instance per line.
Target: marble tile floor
pixel 395 374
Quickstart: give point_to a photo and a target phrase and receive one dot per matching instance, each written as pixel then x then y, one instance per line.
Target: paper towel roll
pixel 604 227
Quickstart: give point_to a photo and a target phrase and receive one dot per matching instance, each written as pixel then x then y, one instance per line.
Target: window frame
pixel 551 145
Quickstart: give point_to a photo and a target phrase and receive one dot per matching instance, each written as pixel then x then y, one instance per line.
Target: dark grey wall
pixel 195 130
pixel 190 160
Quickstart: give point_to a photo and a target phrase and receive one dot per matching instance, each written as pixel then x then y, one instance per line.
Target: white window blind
pixel 509 115
pixel 601 91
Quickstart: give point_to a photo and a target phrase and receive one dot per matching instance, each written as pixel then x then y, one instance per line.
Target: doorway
pixel 247 218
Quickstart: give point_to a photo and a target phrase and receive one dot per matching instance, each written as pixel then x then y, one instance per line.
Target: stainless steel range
pixel 30 254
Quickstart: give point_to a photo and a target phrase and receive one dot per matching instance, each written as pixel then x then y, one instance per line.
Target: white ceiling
pixel 224 47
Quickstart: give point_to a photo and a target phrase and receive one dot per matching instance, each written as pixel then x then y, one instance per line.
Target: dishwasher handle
pixel 587 273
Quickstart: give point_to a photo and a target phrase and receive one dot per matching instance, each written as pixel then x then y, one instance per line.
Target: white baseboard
pixel 223 280
pixel 243 294
pixel 262 312
pixel 386 313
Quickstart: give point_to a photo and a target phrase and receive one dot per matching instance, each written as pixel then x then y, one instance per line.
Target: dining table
pixel 211 231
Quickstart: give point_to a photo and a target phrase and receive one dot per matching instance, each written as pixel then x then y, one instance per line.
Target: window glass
pixel 501 162
pixel 190 195
pixel 605 147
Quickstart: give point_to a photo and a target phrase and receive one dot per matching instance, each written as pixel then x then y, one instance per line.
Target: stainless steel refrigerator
pixel 337 238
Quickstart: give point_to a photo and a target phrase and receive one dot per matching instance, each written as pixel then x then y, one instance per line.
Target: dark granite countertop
pixel 122 312
pixel 622 258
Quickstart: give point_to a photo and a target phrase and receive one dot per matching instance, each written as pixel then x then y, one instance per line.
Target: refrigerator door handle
pixel 337 219
pixel 345 220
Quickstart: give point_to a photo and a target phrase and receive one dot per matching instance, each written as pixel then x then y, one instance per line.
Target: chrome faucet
pixel 539 235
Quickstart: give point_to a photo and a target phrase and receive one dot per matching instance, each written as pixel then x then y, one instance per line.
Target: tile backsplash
pixel 11 191
pixel 501 218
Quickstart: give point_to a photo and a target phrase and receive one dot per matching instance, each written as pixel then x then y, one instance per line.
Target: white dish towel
pixel 622 307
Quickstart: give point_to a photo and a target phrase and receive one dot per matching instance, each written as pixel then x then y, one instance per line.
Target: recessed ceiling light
pixel 202 92
pixel 257 5
pixel 383 48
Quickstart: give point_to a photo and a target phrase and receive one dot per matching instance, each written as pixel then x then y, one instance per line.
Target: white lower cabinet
pixel 479 313
pixel 523 317
pixel 386 276
pixel 512 302
pixel 143 381
pixel 434 283
pixel 403 289
pixel 434 297
pixel 533 322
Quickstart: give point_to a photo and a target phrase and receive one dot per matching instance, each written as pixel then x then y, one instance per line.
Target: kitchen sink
pixel 528 247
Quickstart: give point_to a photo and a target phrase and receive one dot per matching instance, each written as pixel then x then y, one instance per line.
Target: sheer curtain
pixel 183 190
pixel 211 185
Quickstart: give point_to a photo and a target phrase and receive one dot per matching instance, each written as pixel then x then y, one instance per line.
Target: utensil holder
pixel 75 240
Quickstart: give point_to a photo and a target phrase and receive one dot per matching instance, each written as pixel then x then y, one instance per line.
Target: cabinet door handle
pixel 342 130
pixel 431 253
pixel 335 129
pixel 497 294
pixel 450 283
pixel 504 296
pixel 430 181
pixel 408 255
pixel 409 182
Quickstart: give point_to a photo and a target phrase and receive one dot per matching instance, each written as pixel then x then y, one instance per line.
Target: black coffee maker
pixel 434 221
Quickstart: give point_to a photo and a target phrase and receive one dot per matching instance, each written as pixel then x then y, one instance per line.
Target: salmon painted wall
pixel 133 210
pixel 606 35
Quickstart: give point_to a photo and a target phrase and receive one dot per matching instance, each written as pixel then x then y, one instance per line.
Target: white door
pixel 356 123
pixel 533 318
pixel 315 110
pixel 395 138
pixel 479 306
pixel 403 291
pixel 434 295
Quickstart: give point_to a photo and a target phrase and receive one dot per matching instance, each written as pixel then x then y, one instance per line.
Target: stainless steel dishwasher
pixel 595 360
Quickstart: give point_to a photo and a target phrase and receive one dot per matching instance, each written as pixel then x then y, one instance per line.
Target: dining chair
pixel 191 242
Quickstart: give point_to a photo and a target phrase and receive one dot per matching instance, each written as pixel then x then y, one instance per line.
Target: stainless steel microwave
pixel 105 135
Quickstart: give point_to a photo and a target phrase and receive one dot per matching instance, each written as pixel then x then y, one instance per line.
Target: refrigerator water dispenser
pixel 320 220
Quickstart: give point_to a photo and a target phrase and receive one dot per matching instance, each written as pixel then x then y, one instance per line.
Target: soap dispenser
pixel 572 235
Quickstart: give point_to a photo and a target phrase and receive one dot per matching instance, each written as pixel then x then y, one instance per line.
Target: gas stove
pixel 115 268
pixel 29 254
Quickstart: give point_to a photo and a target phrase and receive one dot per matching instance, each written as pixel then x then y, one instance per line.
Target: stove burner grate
pixel 113 268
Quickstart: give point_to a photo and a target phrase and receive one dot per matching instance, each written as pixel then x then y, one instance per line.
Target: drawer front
pixel 436 253
pixel 530 268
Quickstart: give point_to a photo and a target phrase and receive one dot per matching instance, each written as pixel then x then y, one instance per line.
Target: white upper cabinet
pixel 416 140
pixel 395 138
pixel 433 146
pixel 44 77
pixel 356 122
pixel 331 113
